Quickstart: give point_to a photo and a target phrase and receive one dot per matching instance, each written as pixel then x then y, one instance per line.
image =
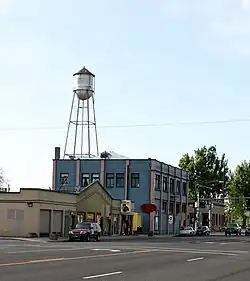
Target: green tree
pixel 2 178
pixel 240 187
pixel 206 168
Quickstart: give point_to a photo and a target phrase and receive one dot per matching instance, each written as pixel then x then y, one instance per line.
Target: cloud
pixel 225 23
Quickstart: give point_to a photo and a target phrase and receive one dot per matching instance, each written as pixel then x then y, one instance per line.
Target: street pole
pixel 197 205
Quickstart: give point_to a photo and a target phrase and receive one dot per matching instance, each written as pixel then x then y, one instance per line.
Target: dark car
pixel 203 230
pixel 233 228
pixel 85 231
pixel 247 231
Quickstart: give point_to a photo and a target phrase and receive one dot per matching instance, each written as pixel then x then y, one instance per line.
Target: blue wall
pixel 66 166
pixel 138 195
pixel 115 166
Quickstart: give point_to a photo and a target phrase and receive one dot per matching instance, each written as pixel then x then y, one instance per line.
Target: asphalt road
pixel 194 259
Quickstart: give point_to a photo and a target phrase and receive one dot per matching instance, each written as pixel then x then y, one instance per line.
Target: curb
pixel 22 239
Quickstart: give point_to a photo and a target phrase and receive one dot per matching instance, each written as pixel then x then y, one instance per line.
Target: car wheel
pixel 71 240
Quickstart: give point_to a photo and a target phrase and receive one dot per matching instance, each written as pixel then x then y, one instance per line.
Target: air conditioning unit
pixel 125 207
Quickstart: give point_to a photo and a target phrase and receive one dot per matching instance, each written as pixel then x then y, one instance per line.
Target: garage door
pixel 44 222
pixel 57 221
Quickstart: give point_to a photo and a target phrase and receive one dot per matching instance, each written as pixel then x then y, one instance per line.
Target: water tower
pixel 82 121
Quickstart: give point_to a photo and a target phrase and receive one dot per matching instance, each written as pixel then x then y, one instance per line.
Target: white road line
pixel 110 250
pixel 196 259
pixel 102 275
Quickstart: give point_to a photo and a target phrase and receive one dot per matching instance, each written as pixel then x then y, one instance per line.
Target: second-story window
pixel 135 180
pixel 165 184
pixel 172 186
pixel 85 180
pixel 184 188
pixel 120 182
pixel 110 180
pixel 178 187
pixel 157 182
pixel 95 177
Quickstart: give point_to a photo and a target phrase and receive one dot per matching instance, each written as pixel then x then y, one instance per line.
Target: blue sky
pixel 155 62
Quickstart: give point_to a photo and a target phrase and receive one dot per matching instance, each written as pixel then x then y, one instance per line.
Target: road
pixel 196 259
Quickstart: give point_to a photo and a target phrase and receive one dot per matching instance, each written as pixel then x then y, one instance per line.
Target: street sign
pixel 170 219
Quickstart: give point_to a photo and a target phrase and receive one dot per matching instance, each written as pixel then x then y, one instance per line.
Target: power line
pixel 246 120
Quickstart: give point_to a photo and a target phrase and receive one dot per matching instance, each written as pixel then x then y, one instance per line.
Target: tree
pixel 206 168
pixel 2 178
pixel 240 187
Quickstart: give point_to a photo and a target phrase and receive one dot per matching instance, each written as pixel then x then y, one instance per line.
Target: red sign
pixel 148 208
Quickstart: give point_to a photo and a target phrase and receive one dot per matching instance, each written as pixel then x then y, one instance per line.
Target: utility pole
pixel 197 206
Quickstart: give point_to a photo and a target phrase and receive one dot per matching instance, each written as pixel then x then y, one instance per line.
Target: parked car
pixel 187 231
pixel 203 230
pixel 247 231
pixel 85 231
pixel 233 228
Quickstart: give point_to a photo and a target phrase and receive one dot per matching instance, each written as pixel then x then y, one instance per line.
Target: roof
pixel 84 70
pixel 97 182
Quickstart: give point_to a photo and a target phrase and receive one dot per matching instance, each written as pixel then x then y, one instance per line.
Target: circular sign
pixel 148 208
pixel 170 219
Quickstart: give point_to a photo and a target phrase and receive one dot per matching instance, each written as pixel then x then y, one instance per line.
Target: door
pixel 44 223
pixel 57 222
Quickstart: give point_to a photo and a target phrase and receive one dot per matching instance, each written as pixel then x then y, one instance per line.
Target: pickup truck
pixel 233 228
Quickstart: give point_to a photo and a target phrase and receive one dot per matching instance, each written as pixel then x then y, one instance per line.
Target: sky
pixel 162 62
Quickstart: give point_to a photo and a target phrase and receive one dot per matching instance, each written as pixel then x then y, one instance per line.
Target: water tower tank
pixel 84 84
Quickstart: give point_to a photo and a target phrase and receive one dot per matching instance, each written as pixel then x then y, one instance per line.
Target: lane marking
pixel 119 254
pixel 102 275
pixel 68 259
pixel 110 250
pixel 195 259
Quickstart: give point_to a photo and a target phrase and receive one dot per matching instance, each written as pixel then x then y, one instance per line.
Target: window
pixel 178 187
pixel 165 184
pixel 135 180
pixel 95 177
pixel 110 180
pixel 85 180
pixel 184 208
pixel 157 182
pixel 64 178
pixel 120 180
pixel 164 206
pixel 172 186
pixel 184 188
pixel 171 208
pixel 177 208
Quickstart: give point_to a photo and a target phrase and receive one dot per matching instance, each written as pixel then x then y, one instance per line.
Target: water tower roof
pixel 84 70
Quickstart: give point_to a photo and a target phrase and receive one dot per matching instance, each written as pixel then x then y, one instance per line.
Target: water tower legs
pixel 85 121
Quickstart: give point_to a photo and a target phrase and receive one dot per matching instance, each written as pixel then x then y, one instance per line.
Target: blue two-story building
pixel 139 180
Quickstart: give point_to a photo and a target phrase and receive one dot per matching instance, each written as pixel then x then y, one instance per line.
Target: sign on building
pixel 170 219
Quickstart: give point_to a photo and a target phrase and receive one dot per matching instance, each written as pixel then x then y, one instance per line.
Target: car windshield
pixel 85 225
pixel 232 225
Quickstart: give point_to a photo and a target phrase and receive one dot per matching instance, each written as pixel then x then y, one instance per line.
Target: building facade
pixel 217 219
pixel 39 213
pixel 139 180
